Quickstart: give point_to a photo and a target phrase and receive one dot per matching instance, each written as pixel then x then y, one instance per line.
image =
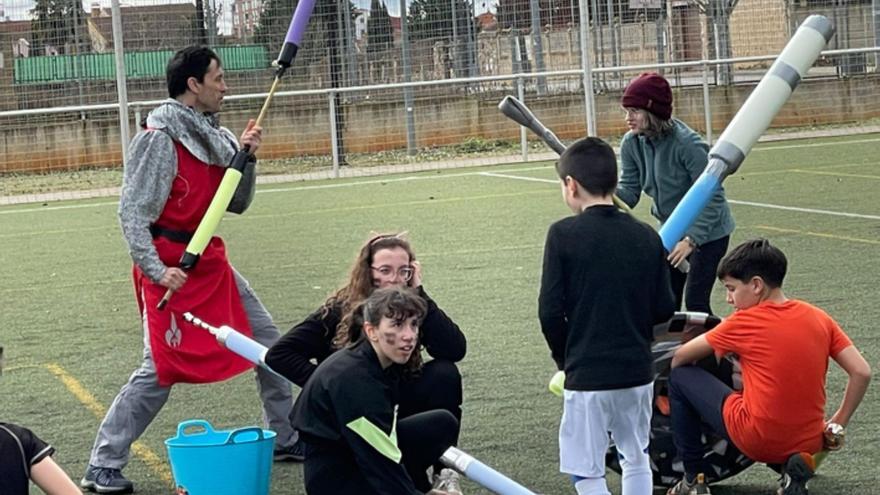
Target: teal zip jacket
pixel 665 167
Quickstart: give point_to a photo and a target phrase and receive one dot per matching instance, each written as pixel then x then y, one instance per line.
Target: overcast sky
pixel 18 9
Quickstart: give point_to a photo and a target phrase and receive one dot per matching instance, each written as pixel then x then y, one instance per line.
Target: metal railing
pixel 518 79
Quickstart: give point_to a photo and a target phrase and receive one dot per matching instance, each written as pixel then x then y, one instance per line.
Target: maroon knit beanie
pixel 651 92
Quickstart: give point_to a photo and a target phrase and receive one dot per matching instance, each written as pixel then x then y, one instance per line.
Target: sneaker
pixel 105 480
pixel 447 481
pixel 291 453
pixel 696 487
pixel 796 471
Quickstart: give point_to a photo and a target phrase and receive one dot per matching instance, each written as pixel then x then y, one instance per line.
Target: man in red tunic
pixel 175 166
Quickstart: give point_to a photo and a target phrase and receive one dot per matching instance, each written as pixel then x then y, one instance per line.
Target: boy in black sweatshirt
pixel 605 284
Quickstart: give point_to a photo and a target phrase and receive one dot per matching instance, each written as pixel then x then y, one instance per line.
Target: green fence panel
pixel 102 66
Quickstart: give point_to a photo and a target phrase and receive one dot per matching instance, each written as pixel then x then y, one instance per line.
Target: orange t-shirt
pixel 784 350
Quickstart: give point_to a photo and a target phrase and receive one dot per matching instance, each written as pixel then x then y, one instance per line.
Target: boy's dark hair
pixel 591 162
pixel 755 258
pixel 192 61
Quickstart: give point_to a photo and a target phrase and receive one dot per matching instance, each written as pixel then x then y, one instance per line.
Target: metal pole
pixel 515 55
pixel 351 55
pixel 600 42
pixel 707 107
pixel 407 76
pixel 586 65
pixel 875 11
pixel 77 65
pixel 122 94
pixel 661 41
pixel 476 56
pixel 538 45
pixel 613 39
pixel 456 62
pixel 334 138
pixel 523 133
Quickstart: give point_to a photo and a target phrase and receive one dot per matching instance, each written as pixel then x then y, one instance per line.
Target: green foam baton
pixel 557 383
pixel 219 203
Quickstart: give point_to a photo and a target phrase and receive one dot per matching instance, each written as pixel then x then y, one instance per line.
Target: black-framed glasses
pixel 405 272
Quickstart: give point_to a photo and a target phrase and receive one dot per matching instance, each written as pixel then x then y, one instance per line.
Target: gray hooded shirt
pixel 152 167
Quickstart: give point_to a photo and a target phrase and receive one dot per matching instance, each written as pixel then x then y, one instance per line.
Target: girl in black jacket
pixel 347 414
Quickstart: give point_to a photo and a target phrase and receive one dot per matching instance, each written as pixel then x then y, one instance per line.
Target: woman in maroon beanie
pixel 663 157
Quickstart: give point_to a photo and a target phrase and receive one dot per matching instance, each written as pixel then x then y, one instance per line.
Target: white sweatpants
pixel 588 418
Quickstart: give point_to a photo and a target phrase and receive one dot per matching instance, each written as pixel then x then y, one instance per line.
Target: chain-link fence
pixel 373 87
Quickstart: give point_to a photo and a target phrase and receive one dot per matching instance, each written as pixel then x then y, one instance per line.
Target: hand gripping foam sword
pixel 750 122
pixel 243 158
pixel 454 458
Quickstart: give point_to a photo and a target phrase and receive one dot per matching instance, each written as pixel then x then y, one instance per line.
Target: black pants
pixel 422 438
pixel 695 397
pixel 701 277
pixel 438 386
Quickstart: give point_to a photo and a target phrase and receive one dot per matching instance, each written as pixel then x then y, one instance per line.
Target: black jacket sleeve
pixel 440 335
pixel 551 300
pixel 292 355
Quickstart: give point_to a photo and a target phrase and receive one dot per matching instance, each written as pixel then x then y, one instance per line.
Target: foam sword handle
pixel 481 473
pixel 208 225
pixel 750 122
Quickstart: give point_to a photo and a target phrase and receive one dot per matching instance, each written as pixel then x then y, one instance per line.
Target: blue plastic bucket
pixel 209 462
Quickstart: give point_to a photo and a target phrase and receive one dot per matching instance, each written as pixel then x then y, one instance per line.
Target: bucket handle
pixel 181 428
pixel 250 429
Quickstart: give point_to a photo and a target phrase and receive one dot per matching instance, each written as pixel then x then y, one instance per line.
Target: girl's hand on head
pixel 417 275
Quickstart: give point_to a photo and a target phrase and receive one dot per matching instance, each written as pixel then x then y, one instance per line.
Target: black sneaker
pixel 105 480
pixel 796 472
pixel 291 453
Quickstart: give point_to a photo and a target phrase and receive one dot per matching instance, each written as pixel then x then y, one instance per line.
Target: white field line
pixel 114 191
pixel 286 189
pixel 813 145
pixel 731 201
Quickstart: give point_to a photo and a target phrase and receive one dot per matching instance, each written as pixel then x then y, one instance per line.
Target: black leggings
pixel 422 439
pixel 701 277
pixel 438 386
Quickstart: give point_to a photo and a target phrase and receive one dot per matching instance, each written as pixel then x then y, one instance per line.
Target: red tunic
pixel 181 351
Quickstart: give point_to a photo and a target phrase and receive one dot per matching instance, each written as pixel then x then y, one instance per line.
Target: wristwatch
pixel 690 241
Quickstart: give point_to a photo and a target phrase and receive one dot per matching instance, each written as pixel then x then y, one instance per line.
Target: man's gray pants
pixel 141 398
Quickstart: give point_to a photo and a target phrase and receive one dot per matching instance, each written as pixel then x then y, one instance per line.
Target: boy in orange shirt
pixel 779 417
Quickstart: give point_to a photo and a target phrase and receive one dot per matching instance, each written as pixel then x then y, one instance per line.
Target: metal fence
pixel 371 87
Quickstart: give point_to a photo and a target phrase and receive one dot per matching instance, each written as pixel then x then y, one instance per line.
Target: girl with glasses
pixel 383 261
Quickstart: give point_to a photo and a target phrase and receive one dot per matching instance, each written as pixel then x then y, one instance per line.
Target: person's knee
pixel 444 380
pixel 446 423
pixel 674 383
pixel 679 377
pixel 635 463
